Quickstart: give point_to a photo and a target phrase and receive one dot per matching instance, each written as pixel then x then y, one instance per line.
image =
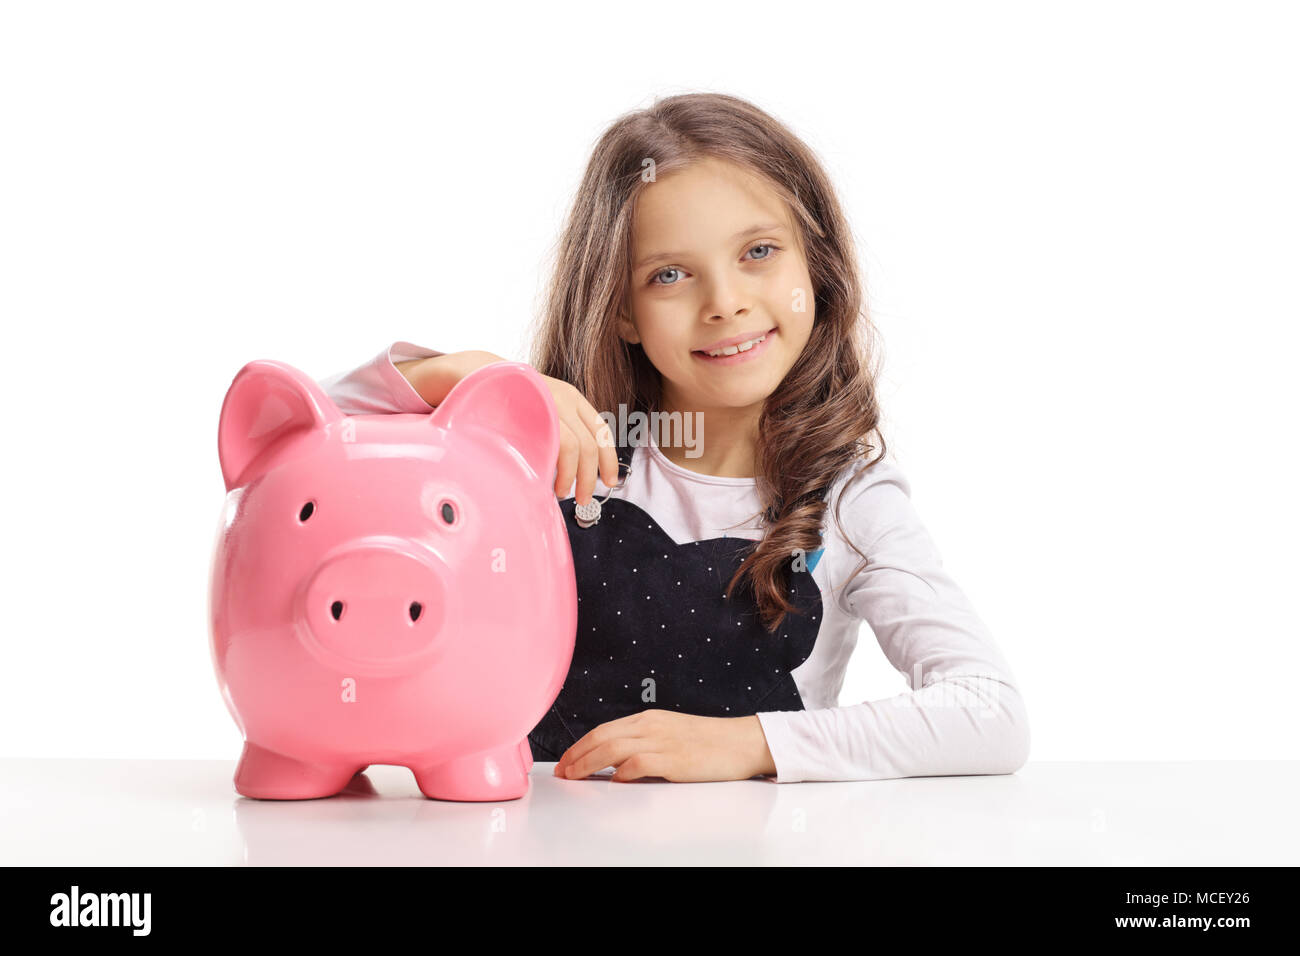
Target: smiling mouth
pixel 737 348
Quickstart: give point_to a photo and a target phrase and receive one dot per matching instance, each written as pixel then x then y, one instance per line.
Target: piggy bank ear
pixel 266 403
pixel 512 400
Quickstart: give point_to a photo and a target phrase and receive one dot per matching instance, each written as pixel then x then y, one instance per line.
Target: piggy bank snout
pixel 377 604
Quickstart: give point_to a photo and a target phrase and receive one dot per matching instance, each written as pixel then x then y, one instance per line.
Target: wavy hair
pixel 820 418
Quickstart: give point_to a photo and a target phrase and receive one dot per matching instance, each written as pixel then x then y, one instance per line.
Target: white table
pixel 170 812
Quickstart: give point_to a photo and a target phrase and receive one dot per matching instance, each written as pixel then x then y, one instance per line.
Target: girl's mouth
pixel 734 355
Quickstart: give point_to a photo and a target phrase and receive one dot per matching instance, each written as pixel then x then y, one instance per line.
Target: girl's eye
pixel 772 249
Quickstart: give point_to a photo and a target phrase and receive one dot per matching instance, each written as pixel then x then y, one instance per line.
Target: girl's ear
pixel 627 331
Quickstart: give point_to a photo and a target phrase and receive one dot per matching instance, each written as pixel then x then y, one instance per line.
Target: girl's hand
pixel 586 443
pixel 679 747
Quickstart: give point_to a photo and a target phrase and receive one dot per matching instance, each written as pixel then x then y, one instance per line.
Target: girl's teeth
pixel 742 347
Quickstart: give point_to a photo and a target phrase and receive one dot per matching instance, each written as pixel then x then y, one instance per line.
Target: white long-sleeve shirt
pixel 963 714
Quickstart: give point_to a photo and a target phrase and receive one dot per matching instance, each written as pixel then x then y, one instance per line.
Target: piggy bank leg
pixel 267 775
pixel 498 774
pixel 526 752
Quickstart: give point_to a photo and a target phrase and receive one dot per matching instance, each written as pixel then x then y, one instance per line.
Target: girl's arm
pixel 411 378
pixel 964 714
pixel 403 378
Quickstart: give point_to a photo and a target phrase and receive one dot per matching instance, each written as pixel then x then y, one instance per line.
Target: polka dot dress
pixel 656 630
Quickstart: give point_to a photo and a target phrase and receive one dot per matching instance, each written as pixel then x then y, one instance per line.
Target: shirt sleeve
pixel 964 714
pixel 377 387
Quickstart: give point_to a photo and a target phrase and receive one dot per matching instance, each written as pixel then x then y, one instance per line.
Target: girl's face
pixel 717 261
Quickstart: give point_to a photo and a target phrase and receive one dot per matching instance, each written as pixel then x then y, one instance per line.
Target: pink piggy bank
pixel 390 589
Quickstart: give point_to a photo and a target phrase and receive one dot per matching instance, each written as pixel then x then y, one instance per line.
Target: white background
pixel 1078 225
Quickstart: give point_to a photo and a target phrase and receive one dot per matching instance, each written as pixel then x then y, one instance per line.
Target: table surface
pixel 187 813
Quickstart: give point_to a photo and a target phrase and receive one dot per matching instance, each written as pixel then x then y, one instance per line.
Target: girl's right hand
pixel 586 444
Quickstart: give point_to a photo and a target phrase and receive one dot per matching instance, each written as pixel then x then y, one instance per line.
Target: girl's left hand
pixel 680 747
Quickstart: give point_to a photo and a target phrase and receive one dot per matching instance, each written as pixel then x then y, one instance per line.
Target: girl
pixel 707 273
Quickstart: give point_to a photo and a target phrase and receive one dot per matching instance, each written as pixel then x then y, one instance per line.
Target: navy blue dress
pixel 655 630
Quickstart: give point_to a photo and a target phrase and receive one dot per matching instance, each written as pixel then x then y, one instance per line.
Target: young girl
pixel 707 273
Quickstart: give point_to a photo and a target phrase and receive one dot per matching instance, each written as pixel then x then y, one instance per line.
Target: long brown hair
pixel 818 421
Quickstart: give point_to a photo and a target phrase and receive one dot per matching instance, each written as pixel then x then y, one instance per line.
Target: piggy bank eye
pixel 448 512
pixel 307 511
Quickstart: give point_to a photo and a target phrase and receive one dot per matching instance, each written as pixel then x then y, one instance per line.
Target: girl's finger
pixel 611 753
pixel 566 464
pixel 604 438
pixel 643 764
pixel 623 727
pixel 587 462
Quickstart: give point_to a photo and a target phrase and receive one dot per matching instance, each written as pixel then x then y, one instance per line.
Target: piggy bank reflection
pixel 390 589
